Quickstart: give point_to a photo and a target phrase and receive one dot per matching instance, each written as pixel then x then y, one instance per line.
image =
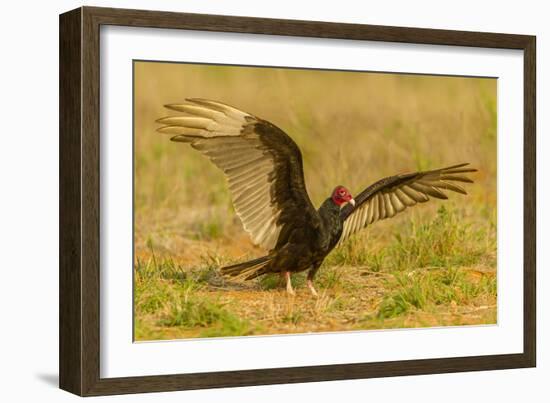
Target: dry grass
pixel 426 267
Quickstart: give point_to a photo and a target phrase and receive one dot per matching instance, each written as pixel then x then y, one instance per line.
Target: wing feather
pixel 381 206
pixel 390 212
pixel 397 204
pixel 376 209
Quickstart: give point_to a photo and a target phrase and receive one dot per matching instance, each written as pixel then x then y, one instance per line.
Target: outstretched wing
pixel 393 194
pixel 262 164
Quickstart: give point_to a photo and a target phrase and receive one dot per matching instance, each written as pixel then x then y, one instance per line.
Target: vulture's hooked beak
pixel 352 202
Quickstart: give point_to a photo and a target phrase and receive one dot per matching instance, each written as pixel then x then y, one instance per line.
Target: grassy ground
pixel 433 265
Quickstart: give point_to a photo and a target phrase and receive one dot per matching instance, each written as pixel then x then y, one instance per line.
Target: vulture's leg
pixel 289 288
pixel 310 275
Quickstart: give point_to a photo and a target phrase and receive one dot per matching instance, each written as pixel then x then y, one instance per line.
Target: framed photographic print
pixel 249 201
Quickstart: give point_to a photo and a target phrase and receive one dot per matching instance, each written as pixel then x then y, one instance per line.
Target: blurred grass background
pixel 353 128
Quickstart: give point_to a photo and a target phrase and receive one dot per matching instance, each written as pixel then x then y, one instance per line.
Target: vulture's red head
pixel 341 196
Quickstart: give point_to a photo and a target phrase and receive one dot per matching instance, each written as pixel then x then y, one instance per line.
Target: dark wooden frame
pixel 79 201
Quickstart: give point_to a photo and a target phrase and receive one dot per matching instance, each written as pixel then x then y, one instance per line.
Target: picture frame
pixel 80 199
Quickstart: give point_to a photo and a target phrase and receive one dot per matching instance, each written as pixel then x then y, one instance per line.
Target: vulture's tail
pixel 248 270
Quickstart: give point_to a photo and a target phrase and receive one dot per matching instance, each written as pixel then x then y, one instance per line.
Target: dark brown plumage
pixel 264 170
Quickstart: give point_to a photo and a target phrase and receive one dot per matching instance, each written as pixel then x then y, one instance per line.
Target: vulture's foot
pixel 312 288
pixel 289 288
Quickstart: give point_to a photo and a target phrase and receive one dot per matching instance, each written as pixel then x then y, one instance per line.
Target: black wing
pixel 262 164
pixel 393 194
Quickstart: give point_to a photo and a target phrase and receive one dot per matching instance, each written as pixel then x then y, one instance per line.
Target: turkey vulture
pixel 263 167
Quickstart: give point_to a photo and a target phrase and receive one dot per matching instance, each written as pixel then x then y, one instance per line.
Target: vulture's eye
pixel 342 192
